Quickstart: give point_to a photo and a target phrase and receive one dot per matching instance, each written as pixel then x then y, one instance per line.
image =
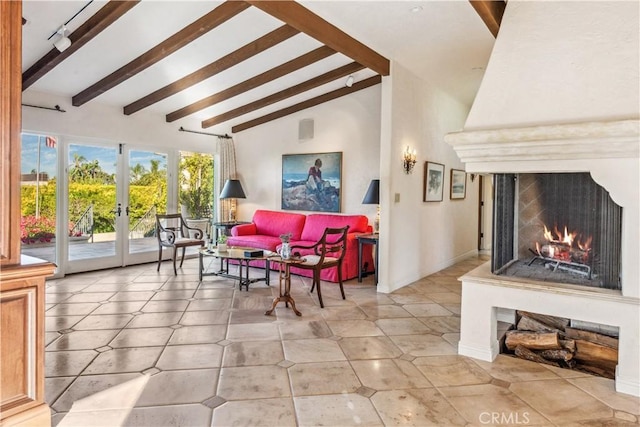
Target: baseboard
pixel 486 354
pixel 627 385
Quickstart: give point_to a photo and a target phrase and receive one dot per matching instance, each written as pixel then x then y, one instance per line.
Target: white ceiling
pixel 444 42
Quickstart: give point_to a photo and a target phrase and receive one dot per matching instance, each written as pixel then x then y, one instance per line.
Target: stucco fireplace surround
pixel 609 152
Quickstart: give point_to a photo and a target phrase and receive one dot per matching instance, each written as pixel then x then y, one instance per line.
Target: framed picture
pixel 433 182
pixel 312 182
pixel 458 184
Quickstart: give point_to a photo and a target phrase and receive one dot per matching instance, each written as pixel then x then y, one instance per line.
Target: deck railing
pixel 84 225
pixel 145 226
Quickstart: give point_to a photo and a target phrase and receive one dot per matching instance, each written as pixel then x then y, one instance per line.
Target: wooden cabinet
pixel 22 294
pixel 21 278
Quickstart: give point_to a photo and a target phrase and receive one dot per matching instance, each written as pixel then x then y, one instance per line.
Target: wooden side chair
pixel 328 252
pixel 172 232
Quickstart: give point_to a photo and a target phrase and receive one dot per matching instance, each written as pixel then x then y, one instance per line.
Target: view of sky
pixel 106 156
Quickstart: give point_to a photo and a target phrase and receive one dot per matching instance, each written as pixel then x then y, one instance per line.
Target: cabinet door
pixel 10 123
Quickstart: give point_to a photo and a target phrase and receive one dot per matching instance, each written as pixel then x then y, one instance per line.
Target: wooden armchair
pixel 172 232
pixel 328 252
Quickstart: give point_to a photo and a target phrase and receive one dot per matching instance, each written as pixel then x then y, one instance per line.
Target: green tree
pixel 196 184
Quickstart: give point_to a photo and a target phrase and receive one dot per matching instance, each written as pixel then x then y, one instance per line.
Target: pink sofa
pixel 267 226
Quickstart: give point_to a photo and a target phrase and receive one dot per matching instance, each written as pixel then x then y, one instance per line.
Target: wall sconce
pixel 408 160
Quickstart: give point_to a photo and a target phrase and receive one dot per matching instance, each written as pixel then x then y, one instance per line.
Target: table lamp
pixel 373 198
pixel 232 190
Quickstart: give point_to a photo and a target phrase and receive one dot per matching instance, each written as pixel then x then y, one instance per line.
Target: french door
pixel 113 193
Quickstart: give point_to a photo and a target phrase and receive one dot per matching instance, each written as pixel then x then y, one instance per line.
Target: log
pixel 551 321
pixel 532 340
pixel 568 345
pixel 592 336
pixel 524 353
pixel 563 355
pixel 595 354
pixel 595 370
pixel 527 323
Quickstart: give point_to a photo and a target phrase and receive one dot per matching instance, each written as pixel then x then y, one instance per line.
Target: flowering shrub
pixel 41 230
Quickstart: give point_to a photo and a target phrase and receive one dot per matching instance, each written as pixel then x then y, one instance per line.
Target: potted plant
pixel 222 243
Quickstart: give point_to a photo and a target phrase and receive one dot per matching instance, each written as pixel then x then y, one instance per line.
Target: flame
pixel 585 246
pixel 559 244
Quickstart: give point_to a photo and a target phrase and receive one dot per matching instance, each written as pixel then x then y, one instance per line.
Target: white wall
pixel 561 62
pixel 350 124
pixel 419 238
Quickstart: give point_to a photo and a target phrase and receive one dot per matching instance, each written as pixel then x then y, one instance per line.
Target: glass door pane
pixel 38 196
pixel 93 207
pixel 147 197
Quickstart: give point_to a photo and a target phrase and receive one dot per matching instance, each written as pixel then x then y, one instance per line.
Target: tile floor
pixel 133 347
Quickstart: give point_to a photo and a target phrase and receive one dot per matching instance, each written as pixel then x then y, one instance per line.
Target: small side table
pixel 367 239
pixel 285 278
pixel 226 226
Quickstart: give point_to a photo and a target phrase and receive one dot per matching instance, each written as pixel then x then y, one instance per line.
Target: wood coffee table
pixel 237 254
pixel 285 278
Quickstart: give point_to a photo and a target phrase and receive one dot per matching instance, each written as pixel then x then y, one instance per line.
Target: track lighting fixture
pixel 62 42
pixel 349 81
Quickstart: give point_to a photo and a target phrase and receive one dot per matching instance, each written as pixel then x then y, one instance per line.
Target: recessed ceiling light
pixel 416 9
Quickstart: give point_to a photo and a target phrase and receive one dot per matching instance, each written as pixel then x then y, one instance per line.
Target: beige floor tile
pixel 60 323
pixel 300 330
pixel 103 321
pixel 149 286
pixel 132 296
pixel 67 363
pixel 336 410
pixel 449 324
pixel 416 407
pixel 567 373
pixel 410 299
pixel 205 318
pixel 401 326
pixel 142 337
pixel 423 345
pixel 323 378
pixel 385 312
pixel 164 306
pixel 123 360
pixel 354 328
pixel 83 340
pixel 445 297
pixel 51 298
pixel 427 310
pixel 119 307
pixel 250 316
pixel 454 308
pixel 50 337
pixel 603 422
pixel 77 309
pixel 169 416
pixel 88 385
pixel 209 304
pixel 343 313
pixel 247 301
pixel 369 348
pixel 604 390
pixel 90 297
pixel 195 356
pixel 214 293
pixel 173 295
pixel 451 371
pixel 260 412
pixel 208 334
pixel 250 353
pixel 155 320
pixel 492 405
pixel 253 332
pixel 511 369
pixel 53 388
pixel 253 382
pixel 371 299
pixel 389 374
pixel 452 339
pixel 566 403
pixel 179 387
pixel 312 350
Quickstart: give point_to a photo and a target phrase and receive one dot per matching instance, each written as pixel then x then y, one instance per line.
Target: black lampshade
pixel 373 193
pixel 232 190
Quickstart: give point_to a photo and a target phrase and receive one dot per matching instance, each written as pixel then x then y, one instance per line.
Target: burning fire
pixel 564 246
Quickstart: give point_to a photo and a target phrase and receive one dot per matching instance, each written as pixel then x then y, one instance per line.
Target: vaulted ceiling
pixel 228 66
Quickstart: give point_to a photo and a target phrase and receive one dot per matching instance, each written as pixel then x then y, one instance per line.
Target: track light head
pixel 62 42
pixel 349 81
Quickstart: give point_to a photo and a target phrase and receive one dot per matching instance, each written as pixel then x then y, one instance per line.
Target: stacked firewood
pixel 550 340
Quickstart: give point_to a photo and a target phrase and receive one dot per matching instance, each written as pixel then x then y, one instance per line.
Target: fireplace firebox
pixel 556 227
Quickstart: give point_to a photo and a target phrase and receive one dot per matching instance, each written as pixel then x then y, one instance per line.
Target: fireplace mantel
pixel 573 141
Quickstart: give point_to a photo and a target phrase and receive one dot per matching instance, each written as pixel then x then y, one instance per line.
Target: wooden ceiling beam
pixel 252 83
pixel 491 12
pixel 106 16
pixel 371 81
pixel 284 94
pixel 208 22
pixel 245 52
pixel 314 26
